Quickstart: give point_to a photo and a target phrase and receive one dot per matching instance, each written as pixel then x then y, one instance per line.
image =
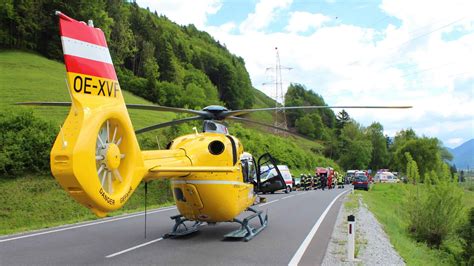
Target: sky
pixel 387 52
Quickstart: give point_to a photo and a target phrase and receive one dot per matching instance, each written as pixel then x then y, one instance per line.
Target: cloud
pixel 305 21
pixel 455 142
pixel 411 63
pixel 265 13
pixel 184 13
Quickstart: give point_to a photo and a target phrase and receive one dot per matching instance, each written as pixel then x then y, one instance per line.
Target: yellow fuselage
pixel 213 189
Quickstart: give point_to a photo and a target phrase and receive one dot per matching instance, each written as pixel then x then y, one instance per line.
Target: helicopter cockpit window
pixel 211 126
pixel 252 172
pixel 248 171
pixel 248 168
pixel 245 170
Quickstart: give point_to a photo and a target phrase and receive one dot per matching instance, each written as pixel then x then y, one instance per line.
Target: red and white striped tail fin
pixel 89 66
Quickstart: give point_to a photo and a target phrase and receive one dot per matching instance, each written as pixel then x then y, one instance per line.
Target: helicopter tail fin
pixel 96 157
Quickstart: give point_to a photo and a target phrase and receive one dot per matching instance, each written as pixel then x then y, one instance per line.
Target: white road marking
pixel 141 245
pixel 85 225
pixel 288 197
pixel 299 253
pixel 133 248
pixel 269 202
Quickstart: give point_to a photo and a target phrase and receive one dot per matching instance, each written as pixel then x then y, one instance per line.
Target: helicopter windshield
pixel 211 126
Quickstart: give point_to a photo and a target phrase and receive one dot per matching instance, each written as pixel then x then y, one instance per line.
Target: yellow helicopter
pixel 97 160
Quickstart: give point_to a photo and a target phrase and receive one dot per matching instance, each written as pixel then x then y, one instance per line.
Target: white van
pixel 285 172
pixel 385 177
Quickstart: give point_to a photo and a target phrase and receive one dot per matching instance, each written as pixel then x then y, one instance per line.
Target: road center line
pixel 85 225
pixel 299 253
pixel 141 245
pixel 133 248
pixel 269 202
pixel 288 197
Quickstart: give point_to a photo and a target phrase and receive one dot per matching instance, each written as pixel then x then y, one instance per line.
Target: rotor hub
pixel 112 156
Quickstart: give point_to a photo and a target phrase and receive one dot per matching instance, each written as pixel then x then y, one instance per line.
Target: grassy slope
pixel 262 101
pixel 385 201
pixel 30 77
pixel 35 202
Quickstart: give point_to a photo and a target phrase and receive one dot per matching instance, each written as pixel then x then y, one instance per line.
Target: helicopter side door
pixel 269 177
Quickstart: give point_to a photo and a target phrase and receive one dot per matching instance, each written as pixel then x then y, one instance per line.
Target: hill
pixel 463 155
pixel 155 58
pixel 31 77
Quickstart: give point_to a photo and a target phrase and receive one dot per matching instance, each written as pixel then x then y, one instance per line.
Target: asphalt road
pixel 300 225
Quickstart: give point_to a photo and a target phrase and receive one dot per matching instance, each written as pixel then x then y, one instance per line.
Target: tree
pixel 356 155
pixel 380 156
pixel 322 119
pixel 356 150
pixel 305 126
pixel 342 119
pixel 403 136
pixel 122 40
pixel 425 151
pixel 412 169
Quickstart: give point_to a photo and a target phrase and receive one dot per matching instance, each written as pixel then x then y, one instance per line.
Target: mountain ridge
pixel 463 155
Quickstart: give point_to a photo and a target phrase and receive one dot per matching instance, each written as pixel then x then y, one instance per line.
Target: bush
pixel 435 212
pixel 467 235
pixel 25 143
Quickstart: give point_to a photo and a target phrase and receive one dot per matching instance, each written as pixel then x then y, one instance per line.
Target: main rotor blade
pixel 245 120
pixel 45 103
pixel 170 123
pixel 246 111
pixel 165 109
pixel 129 106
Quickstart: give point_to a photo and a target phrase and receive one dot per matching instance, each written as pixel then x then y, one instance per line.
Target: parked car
pixel 350 176
pixel 392 179
pixel 361 182
pixel 386 177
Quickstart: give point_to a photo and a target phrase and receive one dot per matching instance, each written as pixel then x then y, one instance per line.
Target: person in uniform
pixel 329 181
pixel 340 180
pixel 302 182
pixel 310 181
pixel 307 183
pixel 317 181
pixel 323 181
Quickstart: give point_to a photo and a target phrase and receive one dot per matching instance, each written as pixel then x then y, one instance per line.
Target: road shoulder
pixel 373 246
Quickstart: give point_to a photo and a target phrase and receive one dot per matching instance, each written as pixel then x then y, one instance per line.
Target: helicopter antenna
pixel 146 192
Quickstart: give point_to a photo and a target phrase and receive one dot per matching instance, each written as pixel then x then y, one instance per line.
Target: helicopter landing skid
pixel 180 228
pixel 246 231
